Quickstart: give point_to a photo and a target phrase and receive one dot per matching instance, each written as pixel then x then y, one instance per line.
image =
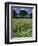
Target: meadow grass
pixel 21 28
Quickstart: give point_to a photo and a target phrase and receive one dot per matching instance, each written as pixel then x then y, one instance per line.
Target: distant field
pixel 21 28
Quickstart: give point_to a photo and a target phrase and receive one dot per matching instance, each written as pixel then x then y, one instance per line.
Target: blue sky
pixel 29 10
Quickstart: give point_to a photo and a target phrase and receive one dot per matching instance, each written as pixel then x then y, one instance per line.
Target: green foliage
pixel 23 13
pixel 24 34
pixel 14 14
pixel 23 27
pixel 30 15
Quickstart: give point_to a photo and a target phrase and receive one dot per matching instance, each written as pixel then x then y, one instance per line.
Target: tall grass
pixel 21 27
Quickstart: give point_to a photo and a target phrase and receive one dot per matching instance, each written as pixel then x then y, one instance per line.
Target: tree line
pixel 22 14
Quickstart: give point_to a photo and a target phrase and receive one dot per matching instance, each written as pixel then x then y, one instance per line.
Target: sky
pixel 29 10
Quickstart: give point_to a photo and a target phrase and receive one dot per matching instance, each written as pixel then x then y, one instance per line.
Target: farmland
pixel 21 27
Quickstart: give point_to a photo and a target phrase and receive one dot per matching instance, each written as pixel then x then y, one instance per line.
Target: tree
pixel 30 15
pixel 14 14
pixel 23 13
